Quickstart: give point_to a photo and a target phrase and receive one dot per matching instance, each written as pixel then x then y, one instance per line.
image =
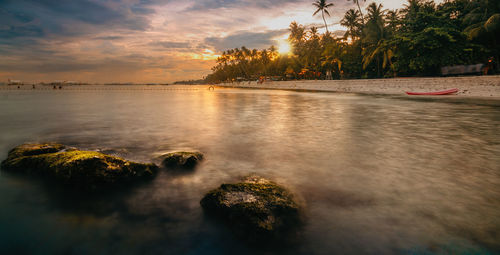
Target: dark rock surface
pixel 256 208
pixel 181 159
pixel 85 169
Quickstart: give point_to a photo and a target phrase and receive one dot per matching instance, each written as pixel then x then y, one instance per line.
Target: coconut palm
pixel 374 35
pixel 297 33
pixel 352 21
pixel 483 22
pixel 482 19
pixel 392 18
pixel 384 50
pixel 332 57
pixel 374 29
pixel 359 8
pixel 313 33
pixel 297 37
pixel 323 8
pixel 313 49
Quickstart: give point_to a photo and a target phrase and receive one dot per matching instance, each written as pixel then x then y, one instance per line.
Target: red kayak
pixel 436 93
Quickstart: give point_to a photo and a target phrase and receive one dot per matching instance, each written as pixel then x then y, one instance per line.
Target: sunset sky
pixel 142 41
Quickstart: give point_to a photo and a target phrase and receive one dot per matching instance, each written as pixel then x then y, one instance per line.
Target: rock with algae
pixel 182 159
pixel 256 208
pixel 87 169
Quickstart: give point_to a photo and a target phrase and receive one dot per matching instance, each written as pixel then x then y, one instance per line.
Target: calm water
pixel 376 175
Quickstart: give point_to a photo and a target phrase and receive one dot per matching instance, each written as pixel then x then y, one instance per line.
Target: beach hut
pixel 15 82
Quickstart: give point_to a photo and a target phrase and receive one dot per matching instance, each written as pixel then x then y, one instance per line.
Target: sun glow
pixel 284 47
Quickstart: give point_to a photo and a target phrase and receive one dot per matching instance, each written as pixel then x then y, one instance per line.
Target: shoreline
pixel 470 87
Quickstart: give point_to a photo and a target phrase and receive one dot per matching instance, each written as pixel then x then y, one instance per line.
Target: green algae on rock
pixel 87 169
pixel 35 149
pixel 256 208
pixel 181 159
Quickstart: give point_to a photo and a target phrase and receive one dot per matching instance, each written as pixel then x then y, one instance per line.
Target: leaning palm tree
pixel 383 50
pixel 323 7
pixel 359 8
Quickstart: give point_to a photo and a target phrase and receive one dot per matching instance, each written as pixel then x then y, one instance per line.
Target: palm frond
pixel 475 31
pixel 493 23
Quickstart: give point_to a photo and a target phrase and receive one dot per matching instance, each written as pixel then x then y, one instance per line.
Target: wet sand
pixel 480 87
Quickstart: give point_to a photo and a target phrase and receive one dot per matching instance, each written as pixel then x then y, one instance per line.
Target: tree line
pixel 416 40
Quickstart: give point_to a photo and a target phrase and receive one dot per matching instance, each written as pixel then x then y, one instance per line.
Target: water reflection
pixel 377 175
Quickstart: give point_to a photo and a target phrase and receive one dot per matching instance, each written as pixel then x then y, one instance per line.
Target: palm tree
pixel 382 49
pixel 374 35
pixel 392 18
pixel 297 37
pixel 313 33
pixel 297 32
pixel 351 20
pixel 484 25
pixel 332 57
pixel 323 7
pixel 359 8
pixel 313 49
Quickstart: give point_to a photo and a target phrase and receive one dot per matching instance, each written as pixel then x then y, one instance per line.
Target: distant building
pixel 15 82
pixel 462 69
pixel 57 82
pixel 61 82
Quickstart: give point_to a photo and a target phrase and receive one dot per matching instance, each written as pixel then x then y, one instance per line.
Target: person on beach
pixel 261 80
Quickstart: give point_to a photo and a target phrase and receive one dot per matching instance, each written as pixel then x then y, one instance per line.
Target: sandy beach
pixel 480 87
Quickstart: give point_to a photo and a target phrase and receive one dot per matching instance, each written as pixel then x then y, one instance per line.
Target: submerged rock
pixel 257 209
pixel 87 169
pixel 182 159
pixel 114 152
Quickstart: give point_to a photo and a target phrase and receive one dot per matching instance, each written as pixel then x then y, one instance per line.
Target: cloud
pixel 137 9
pixel 202 5
pixel 140 40
pixel 83 10
pixel 21 31
pixel 41 18
pixel 257 40
pixel 109 37
pixel 172 45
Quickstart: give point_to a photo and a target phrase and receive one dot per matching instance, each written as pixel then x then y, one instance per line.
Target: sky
pixel 143 41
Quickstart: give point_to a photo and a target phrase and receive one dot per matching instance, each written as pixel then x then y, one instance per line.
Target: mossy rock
pixel 82 169
pixel 256 209
pixel 182 159
pixel 35 149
